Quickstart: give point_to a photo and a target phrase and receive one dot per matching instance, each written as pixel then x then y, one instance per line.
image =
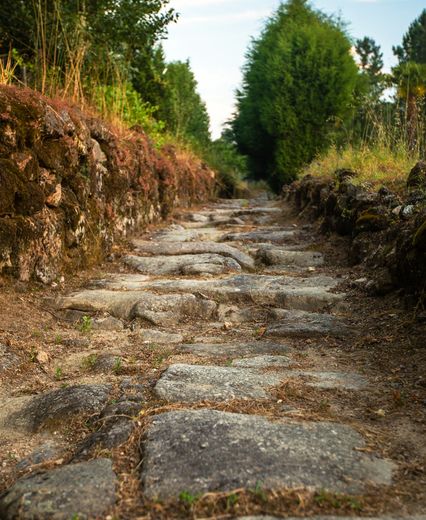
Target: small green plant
pixel 86 324
pixel 326 499
pixel 33 355
pixel 58 339
pixel 259 492
pixel 323 498
pixel 231 500
pixel 89 362
pixel 58 373
pixel 118 365
pixel 188 498
pixel 324 405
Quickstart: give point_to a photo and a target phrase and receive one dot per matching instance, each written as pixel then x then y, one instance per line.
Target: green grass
pixel 376 165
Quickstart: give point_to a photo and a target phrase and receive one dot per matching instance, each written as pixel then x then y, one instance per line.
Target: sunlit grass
pixel 376 165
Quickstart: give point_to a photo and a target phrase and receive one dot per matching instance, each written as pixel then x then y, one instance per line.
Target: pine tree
pixel 413 46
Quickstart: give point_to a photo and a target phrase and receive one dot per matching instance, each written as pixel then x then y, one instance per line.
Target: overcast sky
pixel 214 35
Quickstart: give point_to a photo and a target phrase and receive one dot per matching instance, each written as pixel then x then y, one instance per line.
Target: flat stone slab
pixel 283 257
pixel 47 451
pixel 191 383
pixel 84 490
pixel 200 451
pixel 108 323
pixel 49 408
pixel 262 362
pixel 311 294
pixel 330 380
pixel 158 309
pixel 195 248
pixel 302 324
pixel 158 336
pixel 234 349
pixel 189 235
pixel 278 237
pixel 207 263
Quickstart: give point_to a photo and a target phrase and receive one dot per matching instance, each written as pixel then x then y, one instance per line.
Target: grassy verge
pixel 376 165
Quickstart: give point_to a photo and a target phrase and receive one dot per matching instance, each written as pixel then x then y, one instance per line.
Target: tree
pixel 299 75
pixel 413 46
pixel 99 38
pixel 183 110
pixel 370 56
pixel 410 79
pixel 409 76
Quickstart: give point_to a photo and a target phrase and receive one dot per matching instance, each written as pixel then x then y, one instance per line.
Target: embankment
pixel 70 185
pixel 387 230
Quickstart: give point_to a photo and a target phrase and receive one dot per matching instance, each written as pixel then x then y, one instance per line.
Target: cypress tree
pixel 298 76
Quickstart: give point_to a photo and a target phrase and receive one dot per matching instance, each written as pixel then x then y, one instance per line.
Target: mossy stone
pixel 369 220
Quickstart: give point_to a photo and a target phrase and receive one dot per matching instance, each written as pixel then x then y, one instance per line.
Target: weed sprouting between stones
pixel 86 324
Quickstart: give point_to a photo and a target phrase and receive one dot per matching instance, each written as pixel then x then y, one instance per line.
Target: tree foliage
pixel 413 46
pixel 102 39
pixel 182 109
pixel 370 55
pixel 298 76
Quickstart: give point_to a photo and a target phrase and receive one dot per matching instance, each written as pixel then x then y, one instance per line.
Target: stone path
pixel 202 327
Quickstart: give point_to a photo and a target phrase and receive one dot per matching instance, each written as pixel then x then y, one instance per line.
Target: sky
pixel 214 36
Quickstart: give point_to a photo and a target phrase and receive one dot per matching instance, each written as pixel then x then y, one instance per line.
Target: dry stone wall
pixel 70 185
pixel 387 230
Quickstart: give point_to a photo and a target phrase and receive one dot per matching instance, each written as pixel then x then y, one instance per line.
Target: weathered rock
pixel 117 426
pixel 372 219
pixel 7 358
pixel 278 256
pixel 417 177
pixel 162 310
pixel 186 248
pixel 45 452
pixel 157 336
pixel 188 235
pixel 191 383
pixel 234 349
pixel 236 314
pixel 305 324
pixel 218 451
pixel 278 237
pixel 108 323
pixel 344 174
pixel 119 282
pixel 50 408
pixel 261 210
pixel 197 217
pixel 262 362
pixel 310 294
pixel 85 490
pixel 60 188
pixel 206 263
pixel 329 380
pixel 105 363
